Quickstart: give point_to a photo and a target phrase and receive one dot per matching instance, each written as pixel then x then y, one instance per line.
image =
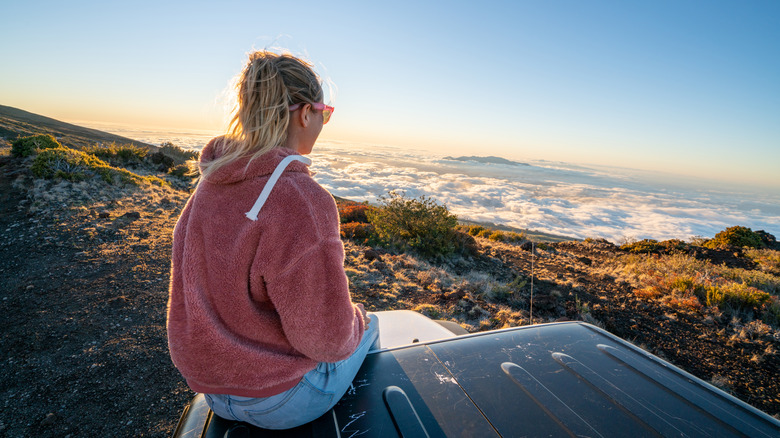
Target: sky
pixel 679 87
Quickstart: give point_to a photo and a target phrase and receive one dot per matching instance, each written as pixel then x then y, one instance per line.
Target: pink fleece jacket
pixel 255 305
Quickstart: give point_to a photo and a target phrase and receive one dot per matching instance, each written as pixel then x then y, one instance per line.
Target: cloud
pixel 572 201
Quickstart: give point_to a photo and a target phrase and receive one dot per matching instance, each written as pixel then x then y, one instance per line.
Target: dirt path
pixel 83 346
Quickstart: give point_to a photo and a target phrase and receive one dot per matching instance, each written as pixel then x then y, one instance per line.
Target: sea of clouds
pixel 559 198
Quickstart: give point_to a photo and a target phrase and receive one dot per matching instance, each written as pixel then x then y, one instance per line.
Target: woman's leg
pixel 317 392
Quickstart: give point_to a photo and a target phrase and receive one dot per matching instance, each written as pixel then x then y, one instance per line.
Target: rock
pixel 372 254
pixel 457 294
pixel 104 214
pixel 545 302
pixel 379 265
pixel 526 246
pixel 50 419
pixel 132 215
pixel 585 261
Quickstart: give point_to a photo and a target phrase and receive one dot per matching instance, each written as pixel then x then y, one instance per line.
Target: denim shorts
pixel 317 392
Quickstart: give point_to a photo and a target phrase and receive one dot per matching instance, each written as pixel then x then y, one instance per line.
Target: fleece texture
pixel 255 305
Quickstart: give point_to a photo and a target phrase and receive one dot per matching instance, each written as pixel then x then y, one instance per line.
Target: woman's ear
pixel 304 115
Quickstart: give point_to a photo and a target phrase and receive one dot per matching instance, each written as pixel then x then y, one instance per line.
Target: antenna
pixel 531 317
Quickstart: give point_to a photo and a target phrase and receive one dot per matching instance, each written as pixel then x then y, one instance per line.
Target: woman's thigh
pixel 317 392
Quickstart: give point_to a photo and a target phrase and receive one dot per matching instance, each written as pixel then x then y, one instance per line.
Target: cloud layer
pixel 550 197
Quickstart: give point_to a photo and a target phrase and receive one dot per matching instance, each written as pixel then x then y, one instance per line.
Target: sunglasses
pixel 327 110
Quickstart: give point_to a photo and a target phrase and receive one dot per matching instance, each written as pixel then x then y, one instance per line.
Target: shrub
pixel 768 259
pixel 118 154
pixel 689 303
pixel 74 165
pixel 429 310
pixel 465 244
pixel 736 236
pixel 357 231
pixel 515 237
pixel 417 224
pixel 353 212
pixel 644 246
pixel 736 296
pixel 165 162
pixel 497 236
pixel 65 163
pixel 178 153
pixel 474 230
pixel 485 232
pixel 651 246
pixel 26 146
pixel 182 171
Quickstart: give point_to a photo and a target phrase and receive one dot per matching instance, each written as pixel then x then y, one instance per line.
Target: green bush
pixel 474 230
pixel 66 163
pixel 736 296
pixel 420 225
pixel 515 237
pixel 497 236
pixel 178 154
pixel 644 246
pixel 118 155
pixel 182 171
pixel 74 165
pixel 26 146
pixel 358 231
pixel 736 236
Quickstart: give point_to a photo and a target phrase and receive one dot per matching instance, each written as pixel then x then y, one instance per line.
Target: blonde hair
pixel 266 87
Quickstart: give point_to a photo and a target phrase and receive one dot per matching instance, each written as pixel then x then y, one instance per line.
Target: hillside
pixel 84 275
pixel 19 123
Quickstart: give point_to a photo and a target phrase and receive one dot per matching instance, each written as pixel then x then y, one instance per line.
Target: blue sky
pixel 684 87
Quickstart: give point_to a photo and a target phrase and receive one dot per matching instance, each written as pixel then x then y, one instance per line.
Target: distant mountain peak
pixel 488 160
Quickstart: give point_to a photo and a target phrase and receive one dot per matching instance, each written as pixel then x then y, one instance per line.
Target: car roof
pixel 544 380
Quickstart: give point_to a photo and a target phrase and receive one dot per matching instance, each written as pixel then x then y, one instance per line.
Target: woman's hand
pixel 366 319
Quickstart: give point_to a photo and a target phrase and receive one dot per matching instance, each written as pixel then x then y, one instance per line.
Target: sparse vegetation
pixel 73 165
pixel 685 282
pixel 713 312
pixel 108 162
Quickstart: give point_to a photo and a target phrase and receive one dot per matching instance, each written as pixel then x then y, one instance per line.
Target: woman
pixel 259 314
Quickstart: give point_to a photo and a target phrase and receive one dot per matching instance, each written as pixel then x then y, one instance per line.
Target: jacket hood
pixel 244 169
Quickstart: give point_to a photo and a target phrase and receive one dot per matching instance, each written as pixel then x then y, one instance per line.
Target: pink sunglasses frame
pixel 327 110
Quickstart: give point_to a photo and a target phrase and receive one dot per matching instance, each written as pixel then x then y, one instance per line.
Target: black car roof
pixel 563 379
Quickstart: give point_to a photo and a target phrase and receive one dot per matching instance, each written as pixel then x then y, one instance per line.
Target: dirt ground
pixel 83 346
pixel 83 293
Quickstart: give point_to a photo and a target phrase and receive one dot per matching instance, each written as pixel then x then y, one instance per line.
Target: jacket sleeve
pixel 306 283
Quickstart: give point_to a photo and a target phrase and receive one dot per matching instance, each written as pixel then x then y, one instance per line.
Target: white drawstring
pixel 252 214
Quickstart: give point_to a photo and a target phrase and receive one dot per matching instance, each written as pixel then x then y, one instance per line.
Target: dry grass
pixel 689 284
pixel 473 299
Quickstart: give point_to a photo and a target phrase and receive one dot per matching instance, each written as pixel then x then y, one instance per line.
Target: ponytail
pixel 266 88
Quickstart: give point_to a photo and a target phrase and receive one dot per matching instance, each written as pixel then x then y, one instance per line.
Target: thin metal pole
pixel 531 320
